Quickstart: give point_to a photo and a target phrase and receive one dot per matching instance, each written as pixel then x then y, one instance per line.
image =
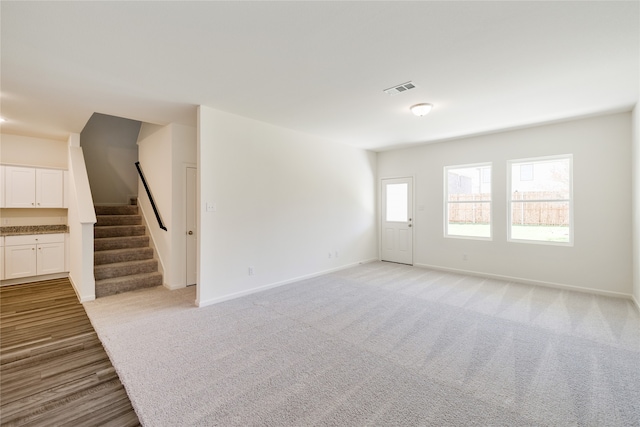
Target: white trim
pixel 637 303
pixel 528 281
pixel 277 284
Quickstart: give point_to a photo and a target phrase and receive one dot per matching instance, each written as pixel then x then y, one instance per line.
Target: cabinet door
pixel 49 188
pixel 2 190
pixel 20 187
pixel 19 261
pixel 50 258
pixel 2 263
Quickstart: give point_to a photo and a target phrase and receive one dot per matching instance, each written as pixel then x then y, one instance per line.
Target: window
pixel 397 202
pixel 468 201
pixel 540 200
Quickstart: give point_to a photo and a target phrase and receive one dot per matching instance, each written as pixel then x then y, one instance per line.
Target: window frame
pixel 446 201
pixel 534 160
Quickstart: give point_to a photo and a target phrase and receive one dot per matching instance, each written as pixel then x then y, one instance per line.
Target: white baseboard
pixel 32 279
pixel 81 298
pixel 173 287
pixel 527 281
pixel 276 284
pixel 635 300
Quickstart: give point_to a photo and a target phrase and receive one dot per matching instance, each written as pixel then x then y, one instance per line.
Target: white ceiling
pixel 319 67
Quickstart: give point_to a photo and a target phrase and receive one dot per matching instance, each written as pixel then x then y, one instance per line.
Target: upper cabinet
pixel 33 187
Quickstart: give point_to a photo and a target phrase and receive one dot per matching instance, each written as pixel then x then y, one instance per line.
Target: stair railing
pixel 153 203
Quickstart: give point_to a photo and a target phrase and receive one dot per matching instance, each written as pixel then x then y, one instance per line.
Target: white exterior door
pixel 192 232
pixel 397 220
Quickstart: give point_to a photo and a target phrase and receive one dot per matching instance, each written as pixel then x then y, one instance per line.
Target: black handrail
pixel 153 204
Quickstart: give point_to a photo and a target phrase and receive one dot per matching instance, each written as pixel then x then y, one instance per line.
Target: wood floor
pixel 53 368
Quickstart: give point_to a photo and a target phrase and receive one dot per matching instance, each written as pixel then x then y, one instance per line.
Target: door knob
pixel 190 233
pixel 410 225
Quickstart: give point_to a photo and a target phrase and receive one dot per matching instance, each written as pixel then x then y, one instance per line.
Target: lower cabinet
pixel 33 255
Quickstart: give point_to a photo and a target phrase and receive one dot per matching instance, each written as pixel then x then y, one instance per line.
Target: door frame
pixel 412 213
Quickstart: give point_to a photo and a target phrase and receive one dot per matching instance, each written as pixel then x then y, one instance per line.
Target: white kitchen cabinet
pixel 49 188
pixel 33 187
pixel 1 257
pixel 20 261
pixel 2 190
pixel 33 255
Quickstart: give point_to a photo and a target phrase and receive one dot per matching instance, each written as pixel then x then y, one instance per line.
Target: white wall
pixel 37 152
pixel 600 259
pixel 154 154
pixel 81 221
pixel 283 201
pixel 110 152
pixel 184 148
pixel 636 203
pixel 163 153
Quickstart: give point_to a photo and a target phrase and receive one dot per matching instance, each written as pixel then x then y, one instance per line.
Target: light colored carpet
pixel 379 344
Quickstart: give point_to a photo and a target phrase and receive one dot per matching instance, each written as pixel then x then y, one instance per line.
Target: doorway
pixel 191 225
pixel 396 218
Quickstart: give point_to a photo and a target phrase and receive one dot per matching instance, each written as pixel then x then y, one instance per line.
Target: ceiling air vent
pixel 400 88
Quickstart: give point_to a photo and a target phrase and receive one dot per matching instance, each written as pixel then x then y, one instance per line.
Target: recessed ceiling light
pixel 421 109
pixel 2 120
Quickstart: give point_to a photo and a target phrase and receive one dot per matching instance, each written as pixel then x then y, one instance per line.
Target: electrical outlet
pixel 5 221
pixel 251 271
pixel 329 254
pixel 336 254
pixel 465 257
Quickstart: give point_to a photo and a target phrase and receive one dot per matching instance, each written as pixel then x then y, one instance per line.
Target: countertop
pixel 17 230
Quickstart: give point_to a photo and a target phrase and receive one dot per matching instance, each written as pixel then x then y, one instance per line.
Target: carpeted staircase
pixel 123 260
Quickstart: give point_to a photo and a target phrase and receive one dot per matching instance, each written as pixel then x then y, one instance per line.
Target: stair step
pixel 116 210
pixel 105 220
pixel 122 255
pixel 110 243
pixel 127 283
pixel 119 269
pixel 118 230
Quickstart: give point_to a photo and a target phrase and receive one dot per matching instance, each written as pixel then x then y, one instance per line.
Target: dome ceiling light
pixel 421 109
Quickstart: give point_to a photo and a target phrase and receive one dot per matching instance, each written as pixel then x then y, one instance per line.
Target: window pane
pixel 469 219
pixel 541 200
pixel 397 202
pixel 542 180
pixel 471 183
pixel 468 201
pixel 540 221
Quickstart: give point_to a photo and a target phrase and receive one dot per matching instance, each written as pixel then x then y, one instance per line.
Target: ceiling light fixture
pixel 421 109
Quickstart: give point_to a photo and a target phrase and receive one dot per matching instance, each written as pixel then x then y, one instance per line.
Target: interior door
pixel 191 222
pixel 397 220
